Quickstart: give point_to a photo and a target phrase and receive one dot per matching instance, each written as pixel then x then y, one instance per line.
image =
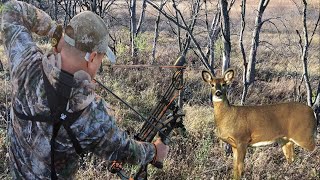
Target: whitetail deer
pixel 243 126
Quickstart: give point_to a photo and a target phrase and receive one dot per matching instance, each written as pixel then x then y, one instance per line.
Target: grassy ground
pixel 197 153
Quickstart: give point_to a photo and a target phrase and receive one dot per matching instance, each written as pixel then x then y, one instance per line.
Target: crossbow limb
pixel 164 118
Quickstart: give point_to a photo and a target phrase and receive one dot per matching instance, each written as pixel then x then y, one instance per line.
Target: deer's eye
pixel 212 85
pixel 223 85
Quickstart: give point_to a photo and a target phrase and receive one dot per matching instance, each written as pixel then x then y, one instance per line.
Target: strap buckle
pixel 63 116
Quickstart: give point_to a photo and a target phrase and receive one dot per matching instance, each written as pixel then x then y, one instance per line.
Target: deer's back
pixel 268 122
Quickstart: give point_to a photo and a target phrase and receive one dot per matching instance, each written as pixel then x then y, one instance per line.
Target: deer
pixel 243 126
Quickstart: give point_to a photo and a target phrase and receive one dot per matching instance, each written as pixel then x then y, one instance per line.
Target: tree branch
pixel 185 27
pixel 300 41
pixel 169 17
pixel 143 10
pixel 315 28
pixel 231 4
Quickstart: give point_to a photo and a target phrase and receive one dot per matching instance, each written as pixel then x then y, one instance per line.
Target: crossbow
pixel 164 117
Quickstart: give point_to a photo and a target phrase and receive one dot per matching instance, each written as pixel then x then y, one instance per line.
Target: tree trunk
pixel 225 26
pixel 195 12
pixel 304 55
pixel 316 105
pixel 156 34
pixel 133 29
pixel 213 32
pixel 255 43
pixel 1 66
pixel 178 27
pixel 93 6
pixel 244 57
pixel 55 10
pixel 143 10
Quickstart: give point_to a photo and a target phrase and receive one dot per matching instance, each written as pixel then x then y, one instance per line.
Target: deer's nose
pixel 218 93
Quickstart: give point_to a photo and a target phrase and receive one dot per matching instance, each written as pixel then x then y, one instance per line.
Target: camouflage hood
pixel 82 93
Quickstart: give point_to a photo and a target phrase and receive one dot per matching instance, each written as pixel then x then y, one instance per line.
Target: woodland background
pixel 274 46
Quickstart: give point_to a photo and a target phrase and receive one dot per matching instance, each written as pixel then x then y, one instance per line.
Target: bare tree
pixel 1 66
pixel 135 28
pixel 53 7
pixel 195 12
pixel 100 7
pixel 156 32
pixel 244 57
pixel 304 42
pixel 142 14
pixel 305 49
pixel 182 23
pixel 225 28
pixel 178 27
pixel 70 8
pixel 213 32
pixel 70 11
pixel 316 105
pixel 250 68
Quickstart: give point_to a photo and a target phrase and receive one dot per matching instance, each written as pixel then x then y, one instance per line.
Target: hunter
pixel 56 116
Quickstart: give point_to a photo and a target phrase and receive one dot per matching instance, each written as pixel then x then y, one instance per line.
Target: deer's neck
pixel 222 110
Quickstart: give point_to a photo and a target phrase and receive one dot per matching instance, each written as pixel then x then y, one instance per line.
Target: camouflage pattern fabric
pixel 96 130
pixel 80 30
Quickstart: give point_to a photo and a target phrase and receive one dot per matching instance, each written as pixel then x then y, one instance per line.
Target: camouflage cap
pixel 88 32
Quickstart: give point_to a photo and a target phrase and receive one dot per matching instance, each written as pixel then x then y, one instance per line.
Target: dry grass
pixel 197 117
pixel 196 153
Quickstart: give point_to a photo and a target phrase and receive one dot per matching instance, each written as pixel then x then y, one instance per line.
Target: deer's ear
pixel 206 76
pixel 229 75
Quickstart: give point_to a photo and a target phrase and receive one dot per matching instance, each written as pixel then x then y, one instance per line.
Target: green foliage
pixel 203 150
pixel 218 47
pixel 141 42
pixel 121 49
pixel 314 96
pixel 122 44
pixel 1 8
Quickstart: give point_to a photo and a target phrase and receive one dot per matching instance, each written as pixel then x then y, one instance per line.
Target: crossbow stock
pixel 164 118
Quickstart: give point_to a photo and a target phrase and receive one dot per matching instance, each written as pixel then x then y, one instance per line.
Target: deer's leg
pixel 304 137
pixel 235 163
pixel 307 143
pixel 238 160
pixel 288 151
pixel 227 149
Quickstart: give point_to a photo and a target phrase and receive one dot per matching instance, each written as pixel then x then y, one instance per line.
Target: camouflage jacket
pixel 96 130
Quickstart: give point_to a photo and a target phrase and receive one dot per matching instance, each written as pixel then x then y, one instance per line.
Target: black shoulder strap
pixel 58 100
pixel 59 116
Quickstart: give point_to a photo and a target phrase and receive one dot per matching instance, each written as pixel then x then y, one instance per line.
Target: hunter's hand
pixel 161 153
